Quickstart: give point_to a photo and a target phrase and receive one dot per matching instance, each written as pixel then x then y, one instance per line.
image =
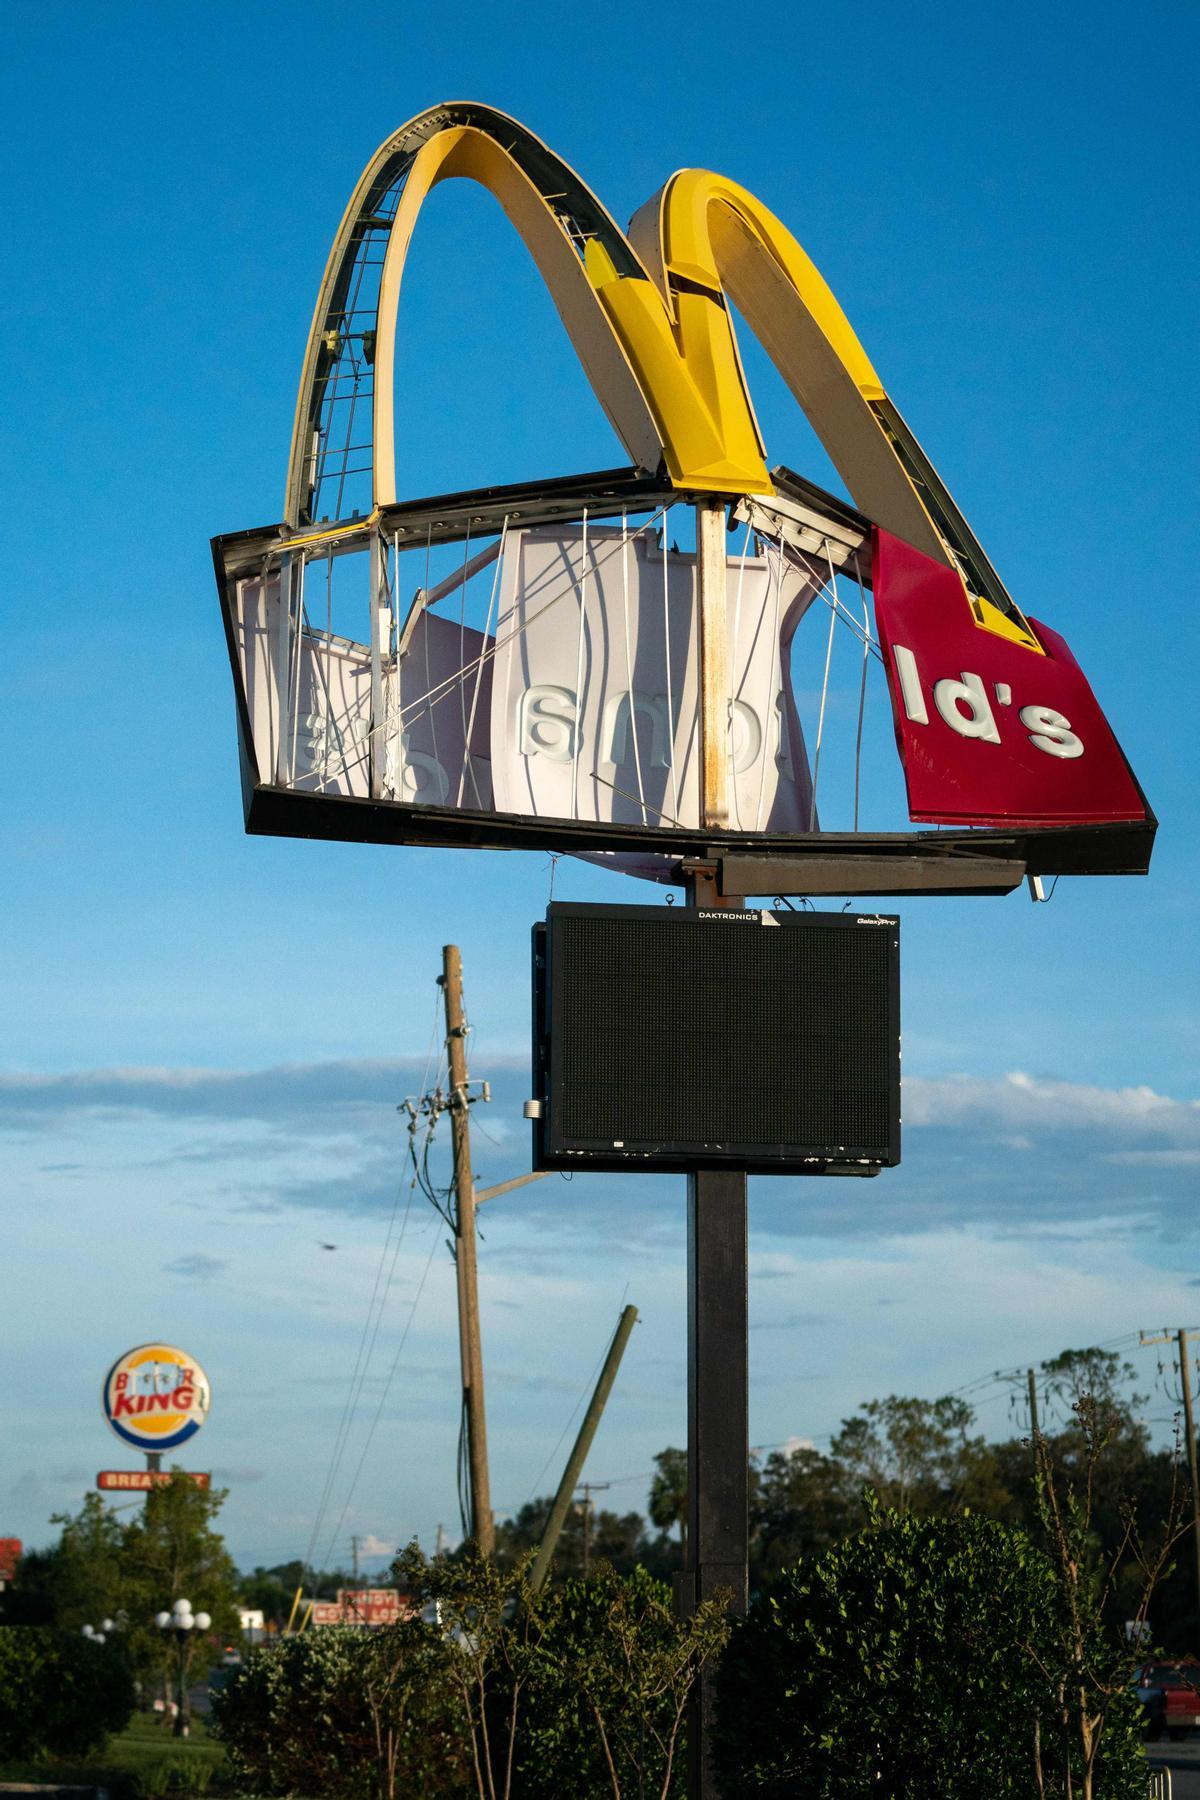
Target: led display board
pixel 682 1039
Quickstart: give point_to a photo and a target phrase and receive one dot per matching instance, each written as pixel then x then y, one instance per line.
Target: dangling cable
pixel 425 640
pixel 812 809
pixel 462 626
pixel 667 647
pixel 740 684
pixel 466 762
pixel 577 731
pixel 862 689
pixel 637 755
pixel 775 578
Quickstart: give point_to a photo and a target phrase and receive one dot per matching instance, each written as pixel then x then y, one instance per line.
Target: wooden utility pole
pixel 718 1381
pixel 583 1443
pixel 1033 1418
pixel 482 1526
pixel 1185 1383
pixel 1185 1378
pixel 589 1488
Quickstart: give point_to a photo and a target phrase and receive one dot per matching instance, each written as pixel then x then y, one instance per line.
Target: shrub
pixel 915 1654
pixel 60 1695
pixel 513 1695
pixel 608 1689
pixel 342 1713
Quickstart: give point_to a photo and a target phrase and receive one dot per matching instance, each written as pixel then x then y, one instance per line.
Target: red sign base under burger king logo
pixel 990 732
pixel 139 1481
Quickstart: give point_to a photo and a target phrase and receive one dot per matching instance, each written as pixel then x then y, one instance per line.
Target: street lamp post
pixel 97 1634
pixel 179 1624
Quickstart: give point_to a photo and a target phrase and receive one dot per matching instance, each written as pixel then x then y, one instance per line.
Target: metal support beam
pixel 712 611
pixel 718 1379
pixel 742 876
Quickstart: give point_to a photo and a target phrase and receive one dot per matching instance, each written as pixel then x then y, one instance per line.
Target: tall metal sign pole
pixel 718 1384
pixel 482 1526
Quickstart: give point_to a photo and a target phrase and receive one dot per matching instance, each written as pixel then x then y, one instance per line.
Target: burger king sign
pixel 156 1397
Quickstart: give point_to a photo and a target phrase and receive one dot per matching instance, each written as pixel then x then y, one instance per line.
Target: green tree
pixel 128 1568
pixel 171 1550
pixel 618 1538
pixel 78 1581
pixel 1091 1664
pixel 669 1494
pixel 918 1455
pixel 801 1502
pixel 894 1662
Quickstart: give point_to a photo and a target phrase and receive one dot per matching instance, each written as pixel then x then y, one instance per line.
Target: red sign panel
pixel 362 1606
pixel 326 1612
pixel 371 1606
pixel 10 1556
pixel 990 732
pixel 140 1481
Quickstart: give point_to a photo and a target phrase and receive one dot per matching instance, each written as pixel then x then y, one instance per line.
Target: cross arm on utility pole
pixel 506 1187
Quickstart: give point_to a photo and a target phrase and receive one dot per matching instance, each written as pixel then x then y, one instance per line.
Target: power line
pixel 370 1331
pixel 383 1397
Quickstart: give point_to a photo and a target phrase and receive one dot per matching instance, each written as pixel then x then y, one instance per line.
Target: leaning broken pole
pixel 583 1443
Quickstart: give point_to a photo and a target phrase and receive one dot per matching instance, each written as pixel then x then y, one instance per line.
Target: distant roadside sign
pixel 326 1612
pixel 371 1606
pixel 141 1480
pixel 10 1556
pixel 362 1606
pixel 156 1397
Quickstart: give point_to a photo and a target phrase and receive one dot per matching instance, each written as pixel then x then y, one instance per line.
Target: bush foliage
pixel 509 1695
pixel 898 1661
pixel 59 1693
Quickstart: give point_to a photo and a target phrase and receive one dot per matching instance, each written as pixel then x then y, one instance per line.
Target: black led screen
pixel 685 1038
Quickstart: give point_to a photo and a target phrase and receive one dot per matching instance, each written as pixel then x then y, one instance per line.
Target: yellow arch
pixel 703 236
pixel 648 318
pixel 662 422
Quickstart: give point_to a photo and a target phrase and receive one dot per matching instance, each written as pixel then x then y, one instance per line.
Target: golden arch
pixel 648 319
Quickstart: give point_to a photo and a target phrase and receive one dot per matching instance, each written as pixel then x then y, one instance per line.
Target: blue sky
pixel 206 1035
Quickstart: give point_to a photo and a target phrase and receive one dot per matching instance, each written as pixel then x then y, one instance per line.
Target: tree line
pixel 925 1458
pixel 924 1600
pixel 911 1455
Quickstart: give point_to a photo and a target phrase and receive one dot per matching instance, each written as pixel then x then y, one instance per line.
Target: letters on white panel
pixel 582 705
pixel 595 699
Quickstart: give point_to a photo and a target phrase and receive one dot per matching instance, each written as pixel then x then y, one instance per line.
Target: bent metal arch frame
pixel 648 316
pixel 648 319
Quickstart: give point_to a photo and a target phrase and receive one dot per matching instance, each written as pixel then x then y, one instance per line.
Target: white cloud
pixel 375 1546
pixel 1023 1102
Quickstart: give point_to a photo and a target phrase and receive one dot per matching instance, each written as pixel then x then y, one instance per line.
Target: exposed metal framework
pixel 806 523
pixel 648 318
pixel 648 315
pixel 344 409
